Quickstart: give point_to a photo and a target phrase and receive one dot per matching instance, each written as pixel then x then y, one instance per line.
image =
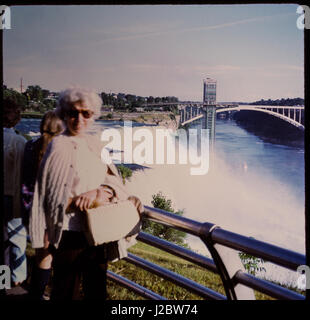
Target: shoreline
pixel 165 119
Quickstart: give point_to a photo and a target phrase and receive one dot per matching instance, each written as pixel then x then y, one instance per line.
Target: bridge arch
pixel 264 110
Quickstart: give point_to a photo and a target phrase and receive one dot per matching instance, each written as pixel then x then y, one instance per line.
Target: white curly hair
pixel 68 97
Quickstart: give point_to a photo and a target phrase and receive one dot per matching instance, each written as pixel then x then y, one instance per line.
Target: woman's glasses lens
pixel 87 114
pixel 73 113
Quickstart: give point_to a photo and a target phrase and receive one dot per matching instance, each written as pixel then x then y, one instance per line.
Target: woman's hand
pixel 85 200
pixel 93 198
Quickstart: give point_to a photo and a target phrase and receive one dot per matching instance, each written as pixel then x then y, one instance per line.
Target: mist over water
pixel 251 205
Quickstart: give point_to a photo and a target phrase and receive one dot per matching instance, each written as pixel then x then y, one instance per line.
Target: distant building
pixel 52 96
pixel 107 108
pixel 121 96
pixel 209 91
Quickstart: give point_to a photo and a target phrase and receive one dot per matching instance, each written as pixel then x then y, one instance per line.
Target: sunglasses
pixel 74 113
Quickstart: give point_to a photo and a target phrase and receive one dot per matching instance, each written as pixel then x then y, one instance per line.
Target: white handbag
pixel 111 222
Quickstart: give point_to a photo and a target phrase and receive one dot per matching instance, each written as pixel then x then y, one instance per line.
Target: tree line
pixel 33 99
pixel 280 102
pixel 124 101
pixel 38 99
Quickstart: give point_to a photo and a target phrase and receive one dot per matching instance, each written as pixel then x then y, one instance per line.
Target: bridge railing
pixel 222 245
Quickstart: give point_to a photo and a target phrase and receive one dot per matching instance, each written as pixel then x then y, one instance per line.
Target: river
pixel 254 188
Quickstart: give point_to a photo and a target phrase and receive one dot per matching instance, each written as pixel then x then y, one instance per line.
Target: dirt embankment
pixel 164 119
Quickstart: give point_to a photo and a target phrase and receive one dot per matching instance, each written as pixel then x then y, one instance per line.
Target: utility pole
pixel 21 85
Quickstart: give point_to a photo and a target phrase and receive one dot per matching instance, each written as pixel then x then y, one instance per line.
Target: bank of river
pixel 166 119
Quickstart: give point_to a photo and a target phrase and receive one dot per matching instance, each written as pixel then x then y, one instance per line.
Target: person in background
pixel 50 126
pixel 71 177
pixel 15 234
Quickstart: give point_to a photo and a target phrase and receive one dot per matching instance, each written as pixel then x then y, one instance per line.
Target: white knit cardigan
pixel 52 191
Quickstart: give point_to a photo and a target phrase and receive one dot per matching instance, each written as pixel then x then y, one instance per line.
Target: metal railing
pixel 225 261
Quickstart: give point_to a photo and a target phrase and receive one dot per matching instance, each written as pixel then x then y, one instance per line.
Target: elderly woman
pixel 71 177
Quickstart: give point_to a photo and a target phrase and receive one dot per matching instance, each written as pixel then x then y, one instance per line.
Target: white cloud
pixel 143 31
pixel 186 69
pixel 289 67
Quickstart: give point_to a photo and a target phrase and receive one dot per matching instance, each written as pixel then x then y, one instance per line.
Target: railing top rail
pixel 184 224
pixel 266 251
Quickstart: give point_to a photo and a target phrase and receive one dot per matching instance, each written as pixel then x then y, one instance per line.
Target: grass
pixel 158 284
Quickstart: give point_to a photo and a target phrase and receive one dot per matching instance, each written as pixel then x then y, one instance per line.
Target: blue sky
pixel 253 51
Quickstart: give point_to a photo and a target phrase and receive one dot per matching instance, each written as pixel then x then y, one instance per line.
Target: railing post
pixel 228 264
pixel 105 270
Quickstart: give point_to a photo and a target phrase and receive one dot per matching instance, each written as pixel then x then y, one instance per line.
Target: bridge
pixel 291 114
pixel 164 104
pixel 191 111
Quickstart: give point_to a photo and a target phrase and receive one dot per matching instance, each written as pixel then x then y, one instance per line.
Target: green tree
pixel 140 100
pixel 150 99
pixel 176 236
pixel 158 100
pixel 45 93
pixel 130 98
pixel 17 97
pixel 35 92
pixel 49 104
pixel 125 172
pixel 252 264
pixel 104 98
